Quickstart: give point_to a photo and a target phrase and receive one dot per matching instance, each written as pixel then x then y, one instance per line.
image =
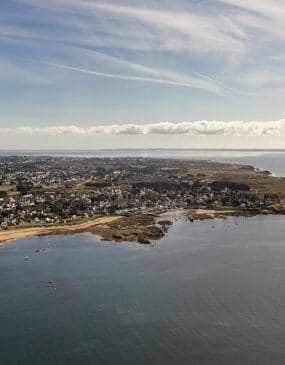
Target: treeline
pixel 235 186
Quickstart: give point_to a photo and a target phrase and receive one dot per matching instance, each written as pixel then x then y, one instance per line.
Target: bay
pixel 210 292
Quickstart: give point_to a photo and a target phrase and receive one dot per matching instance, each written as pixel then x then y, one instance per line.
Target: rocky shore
pixel 142 228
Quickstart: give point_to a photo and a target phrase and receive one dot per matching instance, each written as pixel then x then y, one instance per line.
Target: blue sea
pixel 210 292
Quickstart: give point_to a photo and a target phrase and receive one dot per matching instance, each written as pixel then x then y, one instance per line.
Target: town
pixel 44 190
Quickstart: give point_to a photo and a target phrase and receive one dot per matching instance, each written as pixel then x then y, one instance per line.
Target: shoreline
pixel 204 214
pixel 14 234
pixel 98 225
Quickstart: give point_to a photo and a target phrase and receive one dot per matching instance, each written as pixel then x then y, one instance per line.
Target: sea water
pixel 210 292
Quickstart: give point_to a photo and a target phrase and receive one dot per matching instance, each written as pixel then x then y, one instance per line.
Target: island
pixel 126 199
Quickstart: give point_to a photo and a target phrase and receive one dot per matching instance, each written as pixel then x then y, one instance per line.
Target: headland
pixel 126 199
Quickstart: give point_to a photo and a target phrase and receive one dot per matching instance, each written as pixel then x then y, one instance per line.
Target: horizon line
pixel 144 149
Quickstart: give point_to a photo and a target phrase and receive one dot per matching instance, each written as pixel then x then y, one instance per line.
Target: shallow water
pixel 211 292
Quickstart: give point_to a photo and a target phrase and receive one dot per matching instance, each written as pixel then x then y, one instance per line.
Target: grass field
pixel 9 189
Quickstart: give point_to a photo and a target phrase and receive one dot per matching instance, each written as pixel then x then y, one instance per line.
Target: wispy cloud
pixel 176 29
pixel 268 8
pixel 224 128
pixel 197 26
pixel 197 80
pixel 230 48
pixel 265 16
pixel 238 36
pixel 167 78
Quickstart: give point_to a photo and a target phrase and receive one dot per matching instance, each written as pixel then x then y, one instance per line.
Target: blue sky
pixel 95 74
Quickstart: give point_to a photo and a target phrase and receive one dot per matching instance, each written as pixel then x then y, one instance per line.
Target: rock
pixel 164 223
pixel 143 240
pixel 153 233
pixel 118 236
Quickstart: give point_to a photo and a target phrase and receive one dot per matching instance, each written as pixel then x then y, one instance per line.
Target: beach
pixel 13 234
pixel 135 225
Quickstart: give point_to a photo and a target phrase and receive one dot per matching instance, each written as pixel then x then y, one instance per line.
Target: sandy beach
pixel 105 232
pixel 13 234
pixel 8 235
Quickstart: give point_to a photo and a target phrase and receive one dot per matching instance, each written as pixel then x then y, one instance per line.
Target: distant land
pixel 8 151
pixel 42 195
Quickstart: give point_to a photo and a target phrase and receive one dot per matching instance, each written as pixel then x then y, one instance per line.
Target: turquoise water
pixel 211 292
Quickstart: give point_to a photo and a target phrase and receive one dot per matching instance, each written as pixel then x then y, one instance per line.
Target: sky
pixel 94 74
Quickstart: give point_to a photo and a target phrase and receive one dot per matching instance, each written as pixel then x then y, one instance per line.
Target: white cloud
pixel 266 17
pixel 204 127
pixel 231 40
pixel 178 29
pixel 267 8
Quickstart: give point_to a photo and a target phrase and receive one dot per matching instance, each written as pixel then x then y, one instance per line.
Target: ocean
pixel 272 160
pixel 210 292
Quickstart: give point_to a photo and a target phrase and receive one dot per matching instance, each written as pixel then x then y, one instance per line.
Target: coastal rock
pixel 118 236
pixel 143 240
pixel 164 223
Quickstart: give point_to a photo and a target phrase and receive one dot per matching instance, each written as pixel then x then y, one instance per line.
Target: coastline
pixel 200 213
pixel 14 234
pixel 139 226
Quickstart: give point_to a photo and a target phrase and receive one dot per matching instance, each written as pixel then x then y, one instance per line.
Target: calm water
pixel 211 292
pixel 273 161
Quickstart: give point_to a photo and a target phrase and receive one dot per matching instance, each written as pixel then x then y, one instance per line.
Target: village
pixel 49 191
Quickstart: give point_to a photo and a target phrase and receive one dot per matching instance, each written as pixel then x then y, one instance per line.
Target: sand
pixel 197 212
pixel 13 234
pixel 8 235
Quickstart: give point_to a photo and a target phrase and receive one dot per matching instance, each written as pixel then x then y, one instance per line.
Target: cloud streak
pixel 176 29
pixel 163 77
pixel 196 128
pixel 238 35
pixel 267 8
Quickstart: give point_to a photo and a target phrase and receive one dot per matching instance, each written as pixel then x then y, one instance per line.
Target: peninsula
pixel 125 199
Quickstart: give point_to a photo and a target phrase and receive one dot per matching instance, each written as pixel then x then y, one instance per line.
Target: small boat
pixel 27 258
